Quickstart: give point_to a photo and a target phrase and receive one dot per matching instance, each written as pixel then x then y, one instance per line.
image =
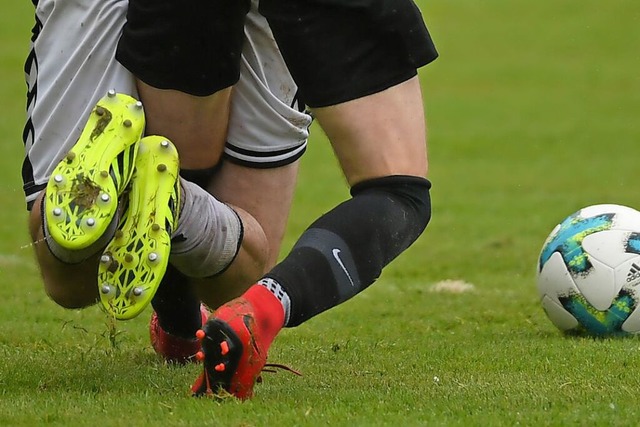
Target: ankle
pixel 268 310
pixel 265 309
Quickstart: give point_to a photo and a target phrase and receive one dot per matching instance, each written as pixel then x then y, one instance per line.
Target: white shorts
pixel 72 65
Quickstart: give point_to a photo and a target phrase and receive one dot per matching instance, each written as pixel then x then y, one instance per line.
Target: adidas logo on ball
pixel 634 273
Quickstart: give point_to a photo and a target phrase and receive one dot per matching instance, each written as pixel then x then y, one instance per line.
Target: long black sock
pixel 176 304
pixel 344 251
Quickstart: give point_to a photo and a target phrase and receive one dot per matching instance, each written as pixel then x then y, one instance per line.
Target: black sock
pixel 177 306
pixel 344 251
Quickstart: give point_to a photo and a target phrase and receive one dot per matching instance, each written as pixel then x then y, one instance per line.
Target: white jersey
pixel 72 65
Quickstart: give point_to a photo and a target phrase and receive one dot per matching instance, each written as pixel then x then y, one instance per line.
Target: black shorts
pixel 336 50
pixel 193 46
pixel 339 50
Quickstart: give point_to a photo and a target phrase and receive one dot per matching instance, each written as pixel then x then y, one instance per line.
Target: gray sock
pixel 208 235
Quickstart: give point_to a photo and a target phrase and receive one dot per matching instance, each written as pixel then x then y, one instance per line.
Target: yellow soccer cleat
pixel 81 197
pixel 135 260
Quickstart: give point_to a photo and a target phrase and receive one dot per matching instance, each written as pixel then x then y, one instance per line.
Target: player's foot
pixel 81 197
pixel 172 348
pixel 135 260
pixel 232 351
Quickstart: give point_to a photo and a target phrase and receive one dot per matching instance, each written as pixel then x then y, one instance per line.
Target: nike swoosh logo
pixel 336 255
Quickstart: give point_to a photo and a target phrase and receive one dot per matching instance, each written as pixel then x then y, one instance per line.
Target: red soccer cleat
pixel 172 348
pixel 232 352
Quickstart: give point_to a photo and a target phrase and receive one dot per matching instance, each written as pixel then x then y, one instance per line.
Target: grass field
pixel 533 113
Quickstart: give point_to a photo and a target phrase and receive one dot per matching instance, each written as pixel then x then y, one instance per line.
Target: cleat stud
pixel 91 222
pixel 220 367
pixel 224 347
pixel 200 356
pixel 162 167
pixel 71 156
pixel 104 174
pixel 137 291
pixel 99 111
pixel 118 234
pixel 128 258
pixel 111 93
pixel 153 257
pixel 105 197
pixel 127 123
pixel 139 105
pixel 57 212
pixel 155 227
pixel 200 334
pixel 105 259
pixel 164 144
pixel 58 179
pixel 105 289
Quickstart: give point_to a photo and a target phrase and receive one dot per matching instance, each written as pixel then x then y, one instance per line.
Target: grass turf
pixel 532 112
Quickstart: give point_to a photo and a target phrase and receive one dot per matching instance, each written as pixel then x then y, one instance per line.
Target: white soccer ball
pixel 589 272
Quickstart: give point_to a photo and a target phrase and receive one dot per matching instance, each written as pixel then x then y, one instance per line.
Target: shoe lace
pixel 274 367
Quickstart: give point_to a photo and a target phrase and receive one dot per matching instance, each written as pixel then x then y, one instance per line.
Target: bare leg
pixel 379 135
pixel 80 292
pixel 196 125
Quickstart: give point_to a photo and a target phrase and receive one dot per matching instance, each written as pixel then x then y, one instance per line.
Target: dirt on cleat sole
pixel 81 197
pixel 135 260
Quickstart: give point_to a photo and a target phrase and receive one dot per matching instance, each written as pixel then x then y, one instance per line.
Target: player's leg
pixel 376 124
pixel 341 253
pixel 348 247
pixel 79 293
pixel 63 92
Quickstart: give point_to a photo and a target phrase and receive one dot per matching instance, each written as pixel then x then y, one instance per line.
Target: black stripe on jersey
pixel 28 133
pixel 37 27
pixel 30 189
pixel 31 66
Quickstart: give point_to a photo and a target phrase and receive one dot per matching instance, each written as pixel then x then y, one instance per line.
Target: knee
pixel 70 286
pixel 411 194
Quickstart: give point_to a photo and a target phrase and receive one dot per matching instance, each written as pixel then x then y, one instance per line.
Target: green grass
pixel 533 113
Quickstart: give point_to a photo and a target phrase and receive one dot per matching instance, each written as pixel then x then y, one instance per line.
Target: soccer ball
pixel 589 272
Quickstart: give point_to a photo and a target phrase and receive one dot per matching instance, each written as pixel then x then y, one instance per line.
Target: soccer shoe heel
pixel 135 260
pixel 172 348
pixel 82 193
